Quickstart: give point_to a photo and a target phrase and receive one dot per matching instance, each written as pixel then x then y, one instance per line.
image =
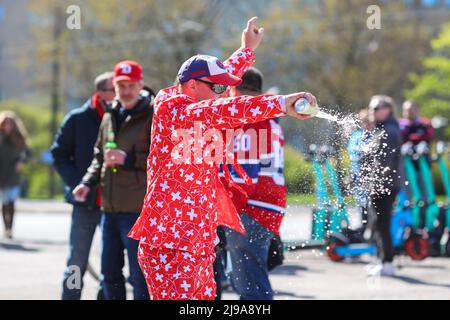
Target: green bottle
pixel 111 144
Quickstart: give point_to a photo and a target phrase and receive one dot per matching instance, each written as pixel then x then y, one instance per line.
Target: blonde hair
pixel 18 134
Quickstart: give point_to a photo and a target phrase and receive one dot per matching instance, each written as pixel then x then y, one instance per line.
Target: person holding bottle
pixel 119 167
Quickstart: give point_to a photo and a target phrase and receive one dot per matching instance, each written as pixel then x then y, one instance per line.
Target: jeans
pixel 220 262
pixel 82 229
pixel 9 194
pixel 115 227
pixel 249 253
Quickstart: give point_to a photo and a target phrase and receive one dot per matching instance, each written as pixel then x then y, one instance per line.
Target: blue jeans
pixel 82 229
pixel 249 253
pixel 9 194
pixel 115 227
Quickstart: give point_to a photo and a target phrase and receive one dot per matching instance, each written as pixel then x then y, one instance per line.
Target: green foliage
pixel 37 122
pixel 437 178
pixel 432 86
pixel 298 172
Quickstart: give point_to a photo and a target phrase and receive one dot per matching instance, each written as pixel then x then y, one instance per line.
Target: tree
pixel 158 34
pixel 432 86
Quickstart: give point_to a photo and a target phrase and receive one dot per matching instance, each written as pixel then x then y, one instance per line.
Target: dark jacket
pixel 10 155
pixel 73 148
pixel 386 167
pixel 123 190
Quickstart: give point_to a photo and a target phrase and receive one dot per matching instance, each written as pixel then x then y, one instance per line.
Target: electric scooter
pixel 432 225
pixel 405 235
pixel 326 218
pixel 445 212
pixel 331 224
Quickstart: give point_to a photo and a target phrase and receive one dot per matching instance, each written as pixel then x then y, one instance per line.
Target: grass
pixel 310 199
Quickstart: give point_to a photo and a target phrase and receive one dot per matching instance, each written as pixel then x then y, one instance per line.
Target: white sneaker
pixel 371 265
pixel 374 270
pixel 386 269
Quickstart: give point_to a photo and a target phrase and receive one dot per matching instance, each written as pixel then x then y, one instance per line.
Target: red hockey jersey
pixel 259 149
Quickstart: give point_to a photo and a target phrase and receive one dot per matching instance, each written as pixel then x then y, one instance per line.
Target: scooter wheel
pixel 331 251
pixel 417 248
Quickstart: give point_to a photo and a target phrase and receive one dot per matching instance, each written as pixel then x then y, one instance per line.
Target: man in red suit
pixel 177 225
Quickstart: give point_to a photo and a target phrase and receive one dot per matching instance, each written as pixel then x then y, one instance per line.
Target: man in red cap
pixel 177 226
pixel 119 167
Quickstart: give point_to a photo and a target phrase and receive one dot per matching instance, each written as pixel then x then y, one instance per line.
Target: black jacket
pixel 73 148
pixel 387 147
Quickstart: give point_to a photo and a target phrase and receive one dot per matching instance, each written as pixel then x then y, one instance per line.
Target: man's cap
pixel 128 70
pixel 252 80
pixel 204 66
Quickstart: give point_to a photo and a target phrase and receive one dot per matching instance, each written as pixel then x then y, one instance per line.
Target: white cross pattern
pixel 175 196
pixel 164 186
pixel 169 245
pixel 198 111
pixel 192 214
pixel 189 177
pixel 185 285
pixel 255 111
pixel 233 110
pixel 165 149
pixel 208 291
pixel 159 277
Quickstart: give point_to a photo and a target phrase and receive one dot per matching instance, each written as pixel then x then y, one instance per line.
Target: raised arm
pixel 244 57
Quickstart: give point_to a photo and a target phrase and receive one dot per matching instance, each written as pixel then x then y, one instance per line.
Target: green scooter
pixel 432 223
pixel 416 204
pixel 326 218
pixel 445 213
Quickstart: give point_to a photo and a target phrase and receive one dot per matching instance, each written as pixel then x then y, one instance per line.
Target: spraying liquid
pixel 327 116
pixel 303 106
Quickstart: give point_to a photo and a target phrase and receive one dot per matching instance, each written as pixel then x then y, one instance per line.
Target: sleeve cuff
pixel 88 183
pixel 130 161
pixel 283 103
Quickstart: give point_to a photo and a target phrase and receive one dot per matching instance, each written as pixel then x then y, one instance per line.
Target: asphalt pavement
pixel 32 264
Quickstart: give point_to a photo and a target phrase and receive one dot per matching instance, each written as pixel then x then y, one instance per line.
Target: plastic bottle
pixel 303 106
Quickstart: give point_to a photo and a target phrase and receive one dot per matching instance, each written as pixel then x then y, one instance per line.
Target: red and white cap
pixel 128 70
pixel 204 66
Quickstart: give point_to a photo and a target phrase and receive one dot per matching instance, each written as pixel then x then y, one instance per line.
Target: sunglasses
pixel 217 88
pixel 108 90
